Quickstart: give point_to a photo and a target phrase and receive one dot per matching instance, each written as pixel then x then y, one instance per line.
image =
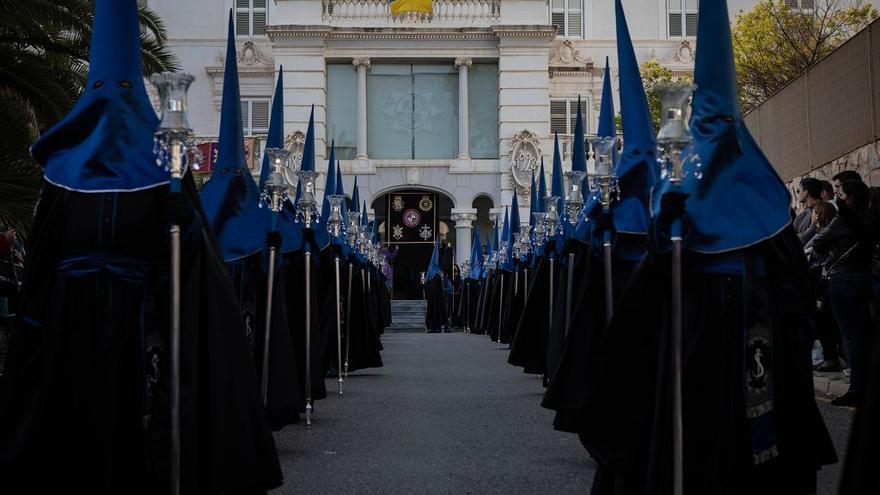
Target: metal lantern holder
pixel 174 155
pixel 306 211
pixel 335 229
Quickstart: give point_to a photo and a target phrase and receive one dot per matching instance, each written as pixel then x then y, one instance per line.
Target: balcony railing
pixel 446 12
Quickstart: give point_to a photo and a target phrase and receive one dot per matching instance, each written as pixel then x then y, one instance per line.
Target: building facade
pixel 462 103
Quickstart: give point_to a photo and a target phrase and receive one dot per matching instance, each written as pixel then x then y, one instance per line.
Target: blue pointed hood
pixel 514 216
pixel 578 152
pixel 355 196
pixel 507 236
pixel 495 238
pixel 365 220
pixel 275 139
pixel 340 189
pixel 308 161
pixel 557 185
pixel 231 197
pixel 476 255
pixel 637 169
pixel 330 184
pixel 533 206
pixel 434 265
pixel 732 164
pixel 542 187
pixel 607 127
pixel 105 143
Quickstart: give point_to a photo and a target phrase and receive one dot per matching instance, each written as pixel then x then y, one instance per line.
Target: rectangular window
pixel 435 111
pixel 683 17
pixel 567 16
pixel 483 111
pixel 412 111
pixel 342 109
pixel 563 118
pixel 250 17
pixel 255 116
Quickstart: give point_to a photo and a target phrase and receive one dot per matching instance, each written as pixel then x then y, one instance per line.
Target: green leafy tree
pixel 44 50
pixel 774 43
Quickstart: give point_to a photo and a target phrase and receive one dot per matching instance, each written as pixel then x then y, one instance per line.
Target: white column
pixel 463 132
pixel 363 65
pixel 463 241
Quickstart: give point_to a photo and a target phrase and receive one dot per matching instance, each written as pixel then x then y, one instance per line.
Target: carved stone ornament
pixel 412 176
pixel 685 53
pixel 250 55
pixel 525 156
pixel 295 143
pixel 563 53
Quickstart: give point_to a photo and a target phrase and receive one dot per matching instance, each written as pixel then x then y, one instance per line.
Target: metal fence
pixel 831 110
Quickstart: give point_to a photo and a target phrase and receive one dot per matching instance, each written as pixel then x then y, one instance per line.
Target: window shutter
pixel 574 23
pixel 242 22
pixel 259 22
pixel 691 21
pixel 245 116
pixel 558 116
pixel 675 24
pixel 692 4
pixel 674 5
pixel 259 116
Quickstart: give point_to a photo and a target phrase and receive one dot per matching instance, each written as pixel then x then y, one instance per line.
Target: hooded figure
pixel 243 229
pixel 89 365
pixel 750 420
pixel 435 318
pixel 529 346
pixel 313 238
pixel 626 225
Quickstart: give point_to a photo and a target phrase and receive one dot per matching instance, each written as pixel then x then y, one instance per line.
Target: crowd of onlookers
pixel 839 226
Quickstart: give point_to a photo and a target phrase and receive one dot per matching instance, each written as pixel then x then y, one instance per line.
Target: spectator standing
pixel 809 195
pixel 827 331
pixel 847 242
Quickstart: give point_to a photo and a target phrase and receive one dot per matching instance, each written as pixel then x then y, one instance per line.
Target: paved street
pixel 447 415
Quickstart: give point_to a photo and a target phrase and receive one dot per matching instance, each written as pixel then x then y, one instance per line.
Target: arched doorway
pixel 410 221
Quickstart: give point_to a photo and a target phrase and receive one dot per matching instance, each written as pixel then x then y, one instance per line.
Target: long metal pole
pixel 264 377
pixel 569 288
pixel 308 275
pixel 678 424
pixel 500 308
pixel 609 283
pixel 348 316
pixel 338 331
pixel 468 316
pixel 174 232
pixel 552 269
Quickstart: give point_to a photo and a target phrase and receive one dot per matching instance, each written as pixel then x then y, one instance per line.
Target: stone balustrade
pixel 378 12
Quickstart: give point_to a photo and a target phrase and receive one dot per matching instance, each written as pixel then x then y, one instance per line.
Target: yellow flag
pixel 402 6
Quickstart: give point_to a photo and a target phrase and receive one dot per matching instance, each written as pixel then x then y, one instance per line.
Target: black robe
pixel 570 356
pixel 294 273
pixel 529 347
pixel 363 346
pixel 285 395
pixel 435 316
pixel 629 429
pixel 89 410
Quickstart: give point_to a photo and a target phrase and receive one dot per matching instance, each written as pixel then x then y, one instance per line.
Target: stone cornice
pixel 267 71
pixel 406 33
pixel 525 31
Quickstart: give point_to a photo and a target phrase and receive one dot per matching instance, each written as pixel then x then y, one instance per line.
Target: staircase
pixel 407 316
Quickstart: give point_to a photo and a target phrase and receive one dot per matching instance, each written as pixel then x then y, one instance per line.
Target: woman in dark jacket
pixel 847 243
